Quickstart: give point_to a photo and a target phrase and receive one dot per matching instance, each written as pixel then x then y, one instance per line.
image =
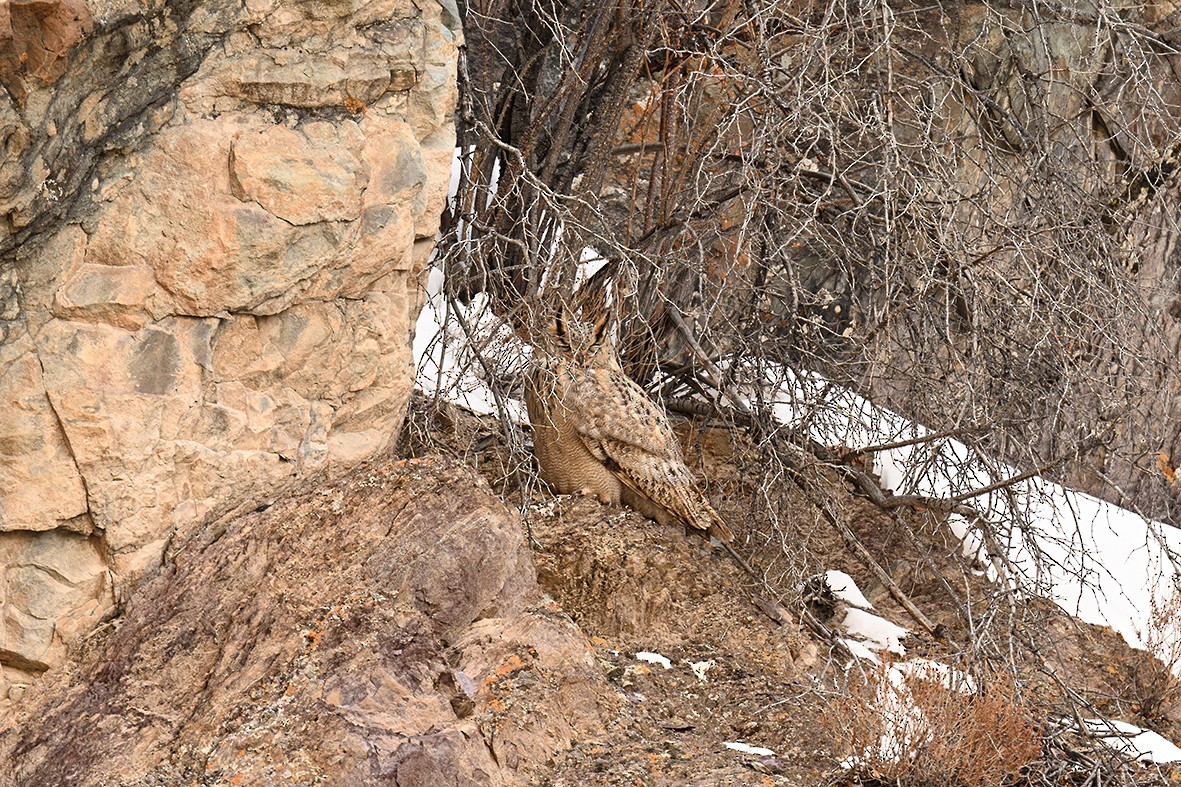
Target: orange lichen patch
pixel 1163 461
pixel 512 665
pixel 316 631
pixel 498 685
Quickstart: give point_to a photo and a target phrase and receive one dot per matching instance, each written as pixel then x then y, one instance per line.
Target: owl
pixel 596 432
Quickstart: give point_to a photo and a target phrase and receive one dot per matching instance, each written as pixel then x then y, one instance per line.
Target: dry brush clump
pixel 917 730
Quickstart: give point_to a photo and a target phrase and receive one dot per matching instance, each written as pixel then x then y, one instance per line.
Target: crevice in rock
pixel 61 428
pixel 10 658
pixel 53 573
pixel 82 523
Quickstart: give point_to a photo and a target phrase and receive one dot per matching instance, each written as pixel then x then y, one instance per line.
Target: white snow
pixel 444 360
pixel 902 720
pixel 875 631
pixel 844 588
pixel 904 725
pixel 654 658
pixel 868 633
pixel 746 748
pixel 701 668
pixel 971 541
pixel 1132 740
pixel 1101 563
pixel 859 650
pixel 590 262
pixel 950 678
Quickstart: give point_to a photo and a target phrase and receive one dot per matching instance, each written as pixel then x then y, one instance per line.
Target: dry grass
pixel 916 731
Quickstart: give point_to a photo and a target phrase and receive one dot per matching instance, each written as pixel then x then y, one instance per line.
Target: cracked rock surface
pixel 386 629
pixel 215 215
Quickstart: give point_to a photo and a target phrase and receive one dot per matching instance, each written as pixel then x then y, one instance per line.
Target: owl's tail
pixel 719 530
pixel 717 527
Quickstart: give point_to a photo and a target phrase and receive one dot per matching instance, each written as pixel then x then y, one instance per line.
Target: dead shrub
pixel 1149 677
pixel 921 730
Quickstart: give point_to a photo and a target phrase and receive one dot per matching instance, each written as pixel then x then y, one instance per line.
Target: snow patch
pixel 1133 741
pixel 873 630
pixel 859 650
pixel 844 588
pixel 701 668
pixel 654 658
pixel 746 748
pixel 950 678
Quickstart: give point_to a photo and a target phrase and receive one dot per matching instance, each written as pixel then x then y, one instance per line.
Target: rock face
pixel 216 214
pixel 385 630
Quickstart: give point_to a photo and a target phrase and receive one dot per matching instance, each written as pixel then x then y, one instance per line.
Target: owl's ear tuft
pixel 602 323
pixel 561 327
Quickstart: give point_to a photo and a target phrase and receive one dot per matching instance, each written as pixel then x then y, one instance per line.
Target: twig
pixel 929 438
pixel 879 572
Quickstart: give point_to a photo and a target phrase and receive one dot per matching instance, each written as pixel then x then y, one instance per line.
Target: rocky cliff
pixel 215 216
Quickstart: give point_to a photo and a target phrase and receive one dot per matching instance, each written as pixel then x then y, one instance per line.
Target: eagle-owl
pixel 595 431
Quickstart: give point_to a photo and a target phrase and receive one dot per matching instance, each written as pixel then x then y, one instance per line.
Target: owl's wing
pixel 609 408
pixel 621 426
pixel 668 483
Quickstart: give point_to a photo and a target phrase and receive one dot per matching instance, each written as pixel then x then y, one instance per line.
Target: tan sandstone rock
pixel 218 216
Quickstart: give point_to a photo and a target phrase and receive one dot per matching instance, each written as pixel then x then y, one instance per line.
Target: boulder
pixel 387 629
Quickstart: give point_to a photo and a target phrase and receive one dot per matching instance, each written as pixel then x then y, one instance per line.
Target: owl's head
pixel 586 343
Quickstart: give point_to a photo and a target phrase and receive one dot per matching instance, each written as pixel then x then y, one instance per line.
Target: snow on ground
pixel 869 634
pixel 746 748
pixel 1131 740
pixel 905 726
pixel 654 658
pixel 444 360
pixel 844 588
pixel 873 631
pixel 1102 563
pixel 950 678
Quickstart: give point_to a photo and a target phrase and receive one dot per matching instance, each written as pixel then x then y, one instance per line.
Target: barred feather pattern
pixel 596 430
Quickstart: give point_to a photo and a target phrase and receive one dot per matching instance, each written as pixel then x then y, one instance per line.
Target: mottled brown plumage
pixel 595 431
